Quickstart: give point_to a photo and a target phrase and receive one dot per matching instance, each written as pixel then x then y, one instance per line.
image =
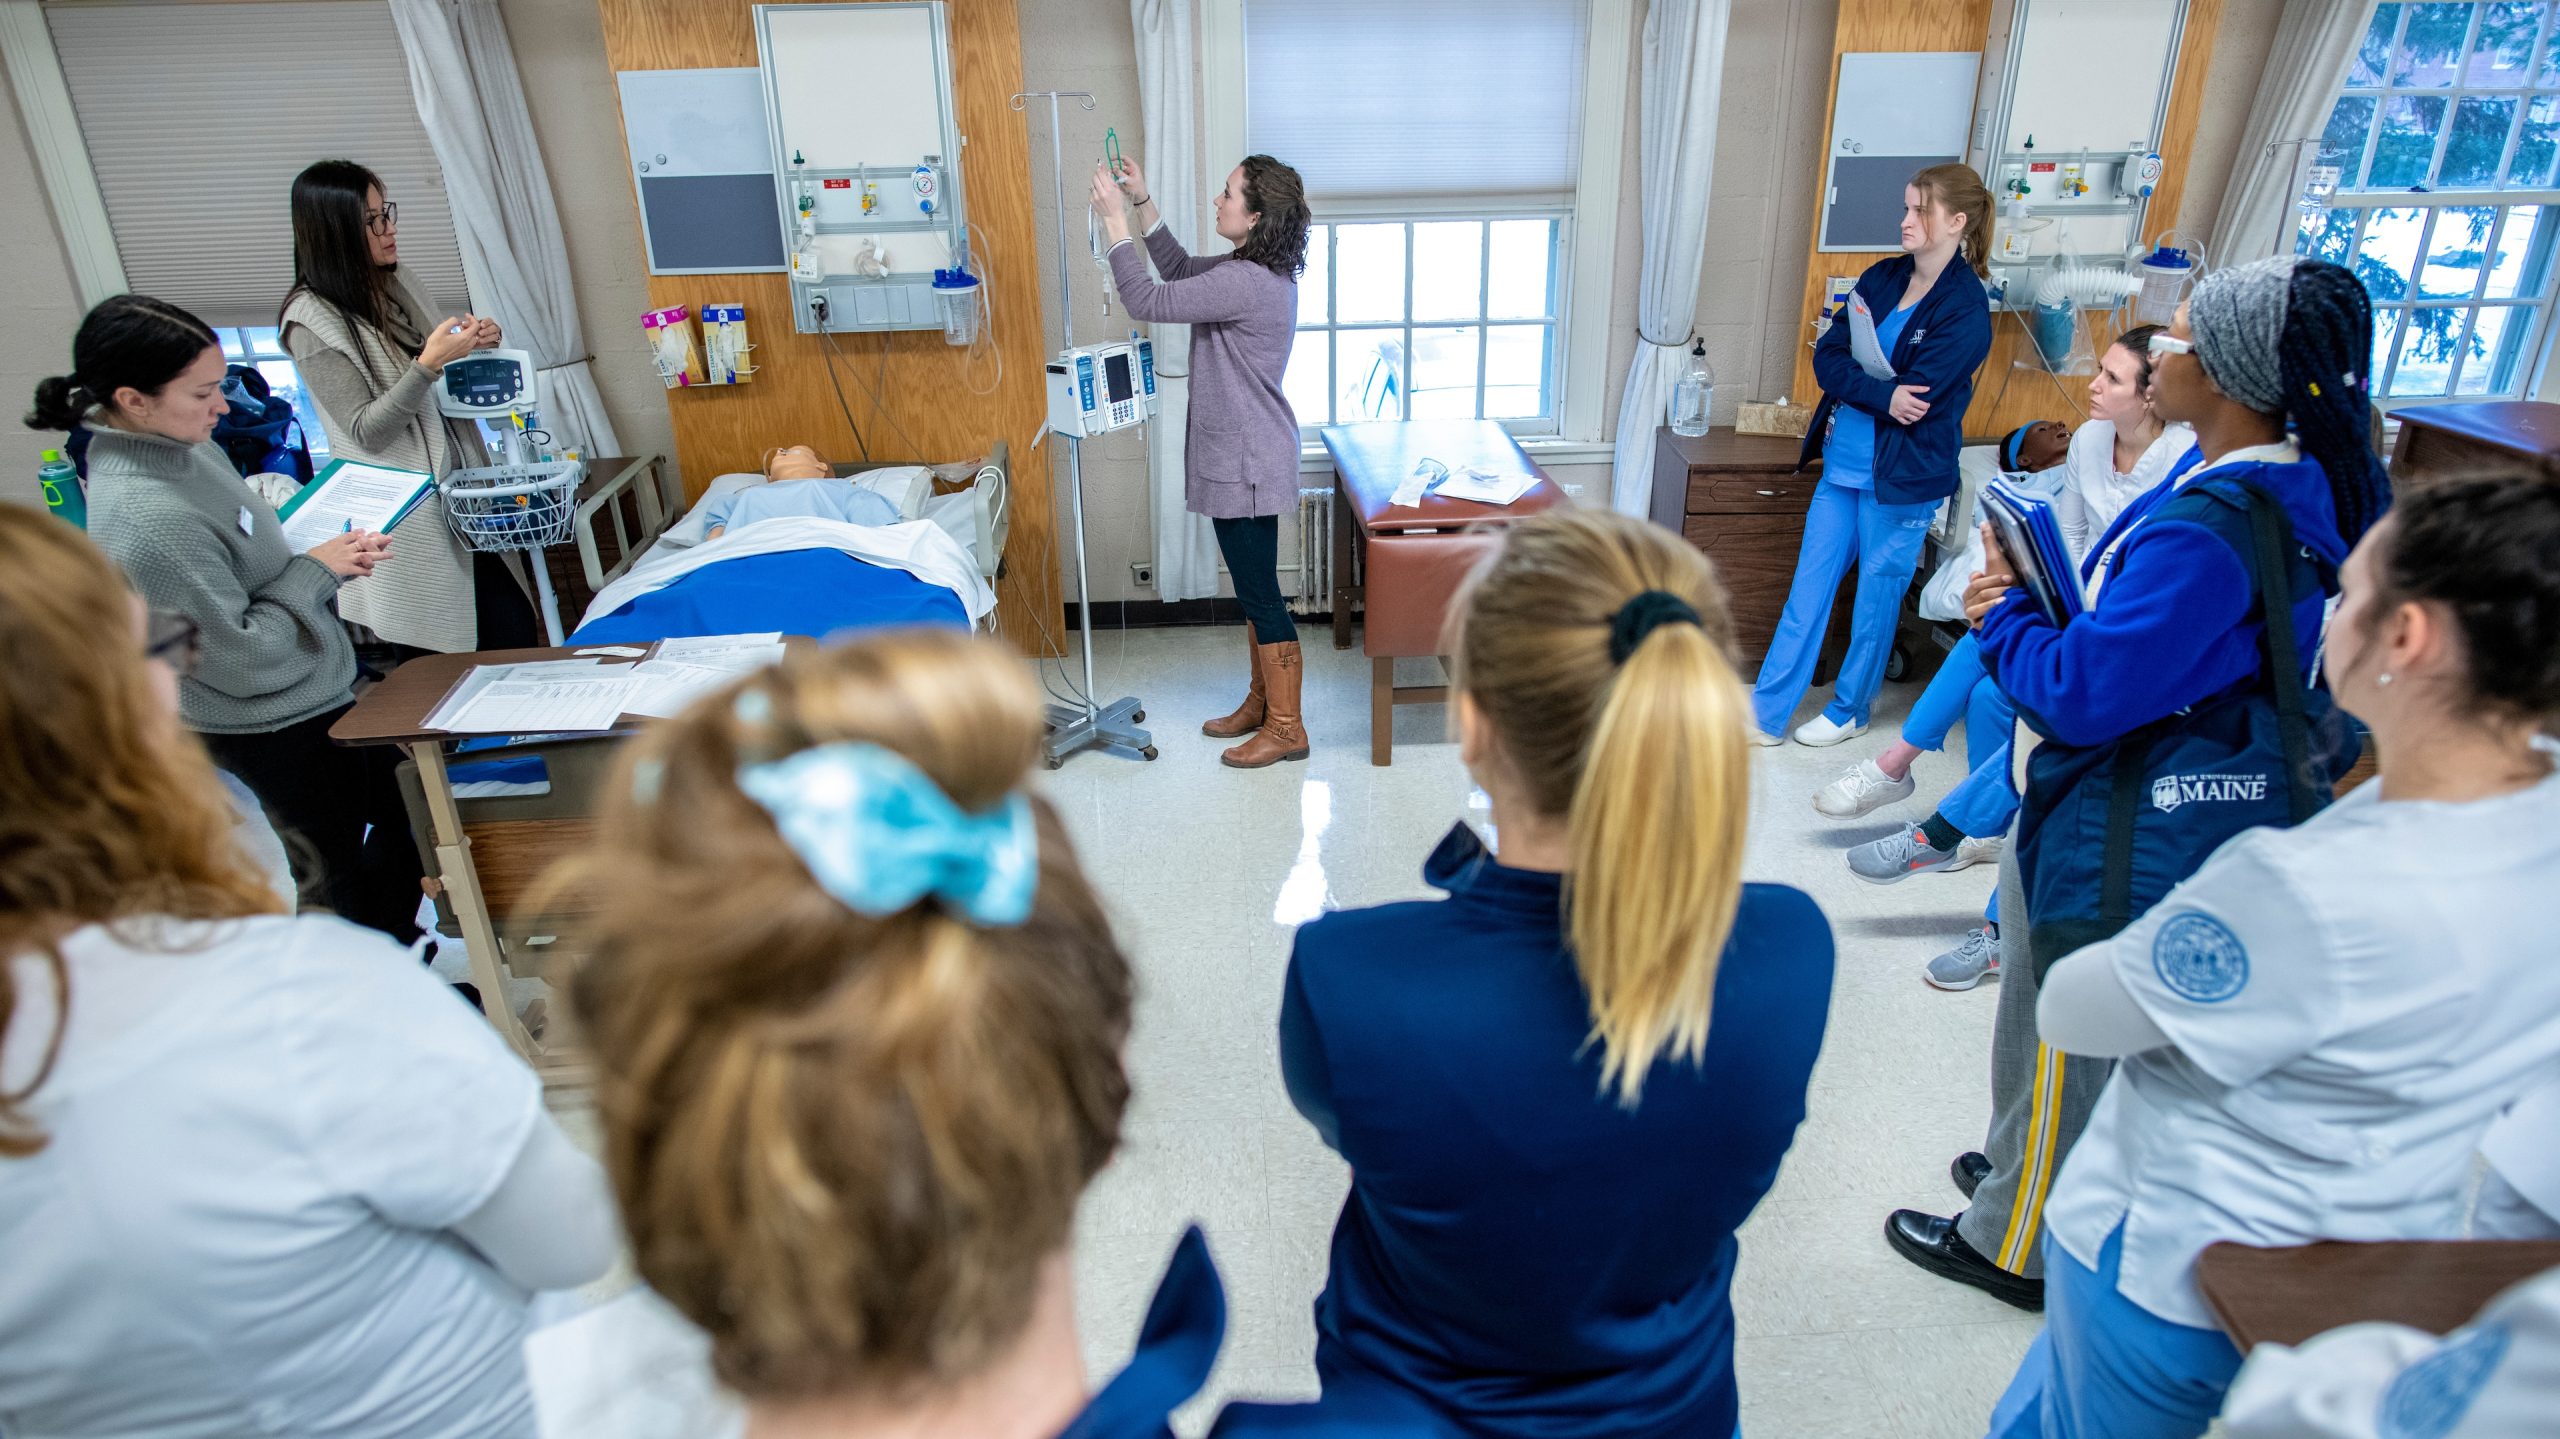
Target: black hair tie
pixel 1638 617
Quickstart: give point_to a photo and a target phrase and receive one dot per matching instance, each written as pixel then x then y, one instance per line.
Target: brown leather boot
pixel 1248 716
pixel 1282 736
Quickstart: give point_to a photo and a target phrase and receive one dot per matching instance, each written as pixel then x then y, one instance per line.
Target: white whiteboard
pixel 856 84
pixel 2091 74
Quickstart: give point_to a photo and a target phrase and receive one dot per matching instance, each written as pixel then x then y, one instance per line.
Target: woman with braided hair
pixel 2168 659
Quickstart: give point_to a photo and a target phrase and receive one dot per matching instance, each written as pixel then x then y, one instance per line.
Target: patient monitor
pixel 1094 389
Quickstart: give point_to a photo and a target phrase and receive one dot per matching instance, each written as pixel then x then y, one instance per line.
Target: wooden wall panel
pixel 923 408
pixel 2004 396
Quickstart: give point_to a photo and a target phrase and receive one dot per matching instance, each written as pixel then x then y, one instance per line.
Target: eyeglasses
pixel 2165 343
pixel 174 640
pixel 384 220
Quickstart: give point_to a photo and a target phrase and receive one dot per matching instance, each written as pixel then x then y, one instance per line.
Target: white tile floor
pixel 1209 870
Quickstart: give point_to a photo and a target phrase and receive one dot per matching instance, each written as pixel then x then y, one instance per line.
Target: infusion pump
pixel 1094 389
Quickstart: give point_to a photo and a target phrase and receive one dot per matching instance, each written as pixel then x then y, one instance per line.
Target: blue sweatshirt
pixel 2170 629
pixel 1942 344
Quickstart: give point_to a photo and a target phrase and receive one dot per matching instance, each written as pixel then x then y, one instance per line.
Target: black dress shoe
pixel 1933 1244
pixel 1968 1171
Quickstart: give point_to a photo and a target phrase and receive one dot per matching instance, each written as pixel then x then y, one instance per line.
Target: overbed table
pixel 1412 558
pixel 395 712
pixel 2286 1295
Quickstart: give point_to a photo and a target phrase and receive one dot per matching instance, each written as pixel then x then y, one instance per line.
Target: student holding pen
pixel 267 666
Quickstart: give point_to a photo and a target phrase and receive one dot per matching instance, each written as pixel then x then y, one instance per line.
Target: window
pixel 1427 320
pixel 2445 137
pixel 259 346
pixel 1444 195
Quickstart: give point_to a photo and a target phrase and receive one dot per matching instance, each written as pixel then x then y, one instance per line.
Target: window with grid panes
pixel 2445 135
pixel 1428 319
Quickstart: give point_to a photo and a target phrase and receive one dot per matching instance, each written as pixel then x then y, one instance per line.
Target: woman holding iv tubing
pixel 1888 449
pixel 1241 448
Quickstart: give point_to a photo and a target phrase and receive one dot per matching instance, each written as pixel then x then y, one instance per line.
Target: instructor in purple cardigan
pixel 1242 446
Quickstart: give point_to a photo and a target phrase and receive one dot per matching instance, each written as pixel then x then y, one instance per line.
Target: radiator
pixel 1315 553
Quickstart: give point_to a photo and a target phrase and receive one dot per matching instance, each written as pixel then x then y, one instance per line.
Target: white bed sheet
pixel 919 547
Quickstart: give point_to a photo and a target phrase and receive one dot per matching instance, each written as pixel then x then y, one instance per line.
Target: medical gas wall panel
pixel 867 147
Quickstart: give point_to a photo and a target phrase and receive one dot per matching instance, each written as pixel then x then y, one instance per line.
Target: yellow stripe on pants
pixel 2026 1207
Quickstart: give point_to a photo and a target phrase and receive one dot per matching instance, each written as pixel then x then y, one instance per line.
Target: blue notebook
pixel 2029 535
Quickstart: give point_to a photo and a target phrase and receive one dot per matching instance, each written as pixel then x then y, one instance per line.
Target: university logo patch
pixel 2172 790
pixel 2200 959
pixel 2431 1396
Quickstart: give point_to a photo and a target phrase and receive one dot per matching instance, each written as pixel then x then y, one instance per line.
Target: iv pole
pixel 1114 726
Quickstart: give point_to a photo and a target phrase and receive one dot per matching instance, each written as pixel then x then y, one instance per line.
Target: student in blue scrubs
pixel 1562 1088
pixel 1888 449
pixel 857 1015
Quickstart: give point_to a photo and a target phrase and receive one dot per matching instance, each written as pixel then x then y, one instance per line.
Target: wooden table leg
pixel 462 891
pixel 1382 711
pixel 1343 520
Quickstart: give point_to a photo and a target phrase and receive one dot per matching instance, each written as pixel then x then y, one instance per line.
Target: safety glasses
pixel 2165 343
pixel 173 639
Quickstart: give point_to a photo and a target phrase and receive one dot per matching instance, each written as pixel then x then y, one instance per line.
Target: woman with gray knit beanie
pixel 2167 653
pixel 273 667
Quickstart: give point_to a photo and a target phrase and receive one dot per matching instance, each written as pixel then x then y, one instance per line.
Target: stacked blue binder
pixel 2029 535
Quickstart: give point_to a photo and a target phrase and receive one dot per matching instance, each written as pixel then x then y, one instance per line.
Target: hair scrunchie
pixel 1640 616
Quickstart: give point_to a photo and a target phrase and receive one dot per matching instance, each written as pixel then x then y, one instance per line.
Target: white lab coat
pixel 2497 1377
pixel 2349 1005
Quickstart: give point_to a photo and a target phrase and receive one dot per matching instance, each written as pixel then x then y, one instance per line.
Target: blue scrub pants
pixel 1842 526
pixel 2107 1368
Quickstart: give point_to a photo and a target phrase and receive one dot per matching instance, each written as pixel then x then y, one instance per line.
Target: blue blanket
pixel 815 592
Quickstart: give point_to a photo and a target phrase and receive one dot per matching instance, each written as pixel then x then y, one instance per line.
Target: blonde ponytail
pixel 1655 838
pixel 1646 760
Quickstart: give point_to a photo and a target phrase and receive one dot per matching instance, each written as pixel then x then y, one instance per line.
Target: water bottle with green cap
pixel 60 481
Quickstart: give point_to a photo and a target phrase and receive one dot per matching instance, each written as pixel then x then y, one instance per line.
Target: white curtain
pixel 1684 42
pixel 1186 548
pixel 2313 43
pixel 471 100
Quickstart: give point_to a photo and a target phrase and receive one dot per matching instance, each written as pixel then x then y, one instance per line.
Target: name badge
pixel 248 522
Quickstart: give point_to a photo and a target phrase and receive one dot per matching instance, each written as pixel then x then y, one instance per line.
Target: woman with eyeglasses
pixel 273 667
pixel 371 355
pixel 258 1174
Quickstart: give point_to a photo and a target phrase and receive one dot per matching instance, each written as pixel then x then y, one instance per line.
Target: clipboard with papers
pixel 2031 538
pixel 351 495
pixel 1864 347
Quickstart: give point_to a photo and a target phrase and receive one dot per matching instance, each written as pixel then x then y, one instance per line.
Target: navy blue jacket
pixel 1177 1347
pixel 2170 629
pixel 1518 1249
pixel 1944 342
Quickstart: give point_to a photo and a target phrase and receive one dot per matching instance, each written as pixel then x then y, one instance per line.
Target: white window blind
pixel 1419 99
pixel 197 117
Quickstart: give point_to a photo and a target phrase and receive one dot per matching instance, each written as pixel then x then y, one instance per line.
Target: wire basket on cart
pixel 517 507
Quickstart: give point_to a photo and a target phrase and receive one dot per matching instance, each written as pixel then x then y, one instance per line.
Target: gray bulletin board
pixel 1893 115
pixel 702 163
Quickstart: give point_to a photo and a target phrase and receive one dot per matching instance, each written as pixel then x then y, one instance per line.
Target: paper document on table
pixel 665 687
pixel 1486 487
pixel 1425 473
pixel 480 677
pixel 1863 345
pixel 733 654
pixel 352 496
pixel 544 706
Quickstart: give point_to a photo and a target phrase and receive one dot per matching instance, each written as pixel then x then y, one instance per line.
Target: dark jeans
pixel 1251 548
pixel 322 796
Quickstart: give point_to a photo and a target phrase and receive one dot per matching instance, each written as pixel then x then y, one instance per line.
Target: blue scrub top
pixel 1849 453
pixel 1517 1248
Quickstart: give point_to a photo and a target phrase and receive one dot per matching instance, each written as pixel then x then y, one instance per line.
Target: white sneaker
pixel 1820 733
pixel 1863 789
pixel 1766 740
pixel 1971 851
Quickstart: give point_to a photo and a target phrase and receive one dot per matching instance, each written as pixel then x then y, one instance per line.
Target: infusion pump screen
pixel 1116 384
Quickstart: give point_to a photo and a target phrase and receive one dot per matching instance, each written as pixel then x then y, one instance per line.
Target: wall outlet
pixel 1142 574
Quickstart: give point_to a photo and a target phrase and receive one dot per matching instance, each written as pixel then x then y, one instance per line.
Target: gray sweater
pixel 1241 451
pixel 195 539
